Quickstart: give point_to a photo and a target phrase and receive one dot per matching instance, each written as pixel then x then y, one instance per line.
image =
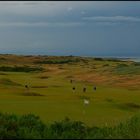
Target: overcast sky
pixel 88 28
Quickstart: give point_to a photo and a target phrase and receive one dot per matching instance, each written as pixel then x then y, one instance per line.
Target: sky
pixel 81 28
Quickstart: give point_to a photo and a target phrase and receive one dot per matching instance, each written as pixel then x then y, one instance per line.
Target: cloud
pixel 69 8
pixel 112 19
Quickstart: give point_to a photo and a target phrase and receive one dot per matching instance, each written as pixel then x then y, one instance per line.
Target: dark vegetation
pixel 121 65
pixel 31 127
pixel 98 59
pixel 2 59
pixel 19 68
pixel 58 61
pixel 136 63
pixel 107 59
pixel 114 60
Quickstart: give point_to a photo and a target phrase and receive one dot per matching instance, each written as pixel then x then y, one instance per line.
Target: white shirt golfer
pixel 86 102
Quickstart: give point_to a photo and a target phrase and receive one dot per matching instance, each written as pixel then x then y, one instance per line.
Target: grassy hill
pixel 50 94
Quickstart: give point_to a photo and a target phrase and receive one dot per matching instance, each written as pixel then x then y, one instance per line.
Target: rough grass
pixel 124 69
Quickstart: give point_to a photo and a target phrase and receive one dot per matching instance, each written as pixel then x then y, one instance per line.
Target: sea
pixel 123 58
pixel 137 59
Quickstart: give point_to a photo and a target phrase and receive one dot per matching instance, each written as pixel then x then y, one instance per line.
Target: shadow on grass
pixel 31 94
pixel 133 107
pixel 6 81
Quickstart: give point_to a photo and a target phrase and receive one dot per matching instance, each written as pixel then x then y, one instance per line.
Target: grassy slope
pixel 115 100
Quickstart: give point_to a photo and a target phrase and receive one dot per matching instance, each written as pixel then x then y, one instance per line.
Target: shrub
pixel 31 127
pixel 57 61
pixel 114 60
pixel 98 59
pixel 136 63
pixel 20 69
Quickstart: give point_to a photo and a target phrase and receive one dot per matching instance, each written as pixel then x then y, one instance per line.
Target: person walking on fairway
pixel 73 89
pixel 86 101
pixel 94 88
pixel 84 89
pixel 71 81
pixel 26 86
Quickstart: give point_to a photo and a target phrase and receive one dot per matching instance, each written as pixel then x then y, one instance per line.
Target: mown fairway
pixel 50 94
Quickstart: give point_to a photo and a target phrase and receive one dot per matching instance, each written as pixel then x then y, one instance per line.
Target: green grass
pixel 50 94
pixel 59 101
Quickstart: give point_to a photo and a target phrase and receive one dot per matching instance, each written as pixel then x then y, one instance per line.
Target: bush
pixel 68 129
pixel 27 126
pixel 98 59
pixel 20 69
pixel 57 61
pixel 114 60
pixel 136 63
pixel 31 127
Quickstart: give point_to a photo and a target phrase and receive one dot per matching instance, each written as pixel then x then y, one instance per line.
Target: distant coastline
pixel 123 58
pixel 134 59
